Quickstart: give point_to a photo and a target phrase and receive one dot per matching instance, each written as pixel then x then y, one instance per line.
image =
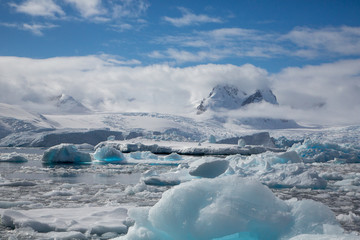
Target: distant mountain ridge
pixel 231 97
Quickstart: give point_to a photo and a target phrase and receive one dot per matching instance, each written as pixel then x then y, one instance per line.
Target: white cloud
pixel 239 42
pixel 343 40
pixel 189 18
pixel 88 8
pixel 219 44
pixel 44 8
pixel 107 82
pixel 186 56
pixel 336 85
pixel 130 8
pixel 36 29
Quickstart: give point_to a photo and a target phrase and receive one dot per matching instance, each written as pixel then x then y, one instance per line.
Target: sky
pixel 165 56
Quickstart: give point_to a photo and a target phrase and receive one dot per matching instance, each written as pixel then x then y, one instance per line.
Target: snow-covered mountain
pixel 230 97
pixel 14 119
pixel 68 105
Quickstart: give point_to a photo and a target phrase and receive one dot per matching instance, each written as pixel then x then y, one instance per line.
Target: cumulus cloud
pixel 189 18
pixel 44 8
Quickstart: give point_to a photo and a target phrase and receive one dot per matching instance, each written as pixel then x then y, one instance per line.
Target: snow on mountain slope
pixel 259 96
pixel 15 119
pixel 68 105
pixel 231 97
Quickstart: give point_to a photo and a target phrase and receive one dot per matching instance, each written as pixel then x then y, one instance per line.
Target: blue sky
pixel 268 34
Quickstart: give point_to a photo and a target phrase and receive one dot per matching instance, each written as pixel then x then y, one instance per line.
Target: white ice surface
pixel 221 207
pixel 13 157
pixel 91 220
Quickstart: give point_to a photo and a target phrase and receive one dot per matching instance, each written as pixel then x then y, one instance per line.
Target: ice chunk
pixel 111 138
pixel 349 218
pixel 312 151
pixel 65 153
pixel 6 204
pixel 161 181
pixel 287 157
pixel 230 208
pixel 93 220
pixel 62 236
pixel 262 139
pixel 241 142
pixel 310 217
pixel 13 157
pixel 212 139
pixel 85 146
pixel 143 155
pixel 208 167
pixel 173 157
pixel 109 154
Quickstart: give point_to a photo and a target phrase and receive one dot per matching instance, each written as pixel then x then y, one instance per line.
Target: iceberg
pixel 173 157
pixel 109 154
pixel 65 153
pixel 143 155
pixel 208 167
pixel 230 208
pixel 13 157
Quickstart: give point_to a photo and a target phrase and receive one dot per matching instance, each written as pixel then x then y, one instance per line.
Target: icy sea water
pixel 33 185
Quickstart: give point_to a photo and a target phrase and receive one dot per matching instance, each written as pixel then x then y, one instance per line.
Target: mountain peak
pixel 231 97
pixel 67 104
pixel 261 95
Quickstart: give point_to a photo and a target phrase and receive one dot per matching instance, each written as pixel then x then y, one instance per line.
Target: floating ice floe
pixel 173 157
pixel 143 155
pixel 79 221
pixel 65 153
pixel 186 148
pixel 13 157
pixel 256 139
pixel 109 154
pixel 208 167
pixel 231 208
